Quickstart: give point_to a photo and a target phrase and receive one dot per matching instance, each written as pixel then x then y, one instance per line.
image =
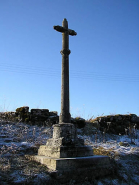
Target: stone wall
pixel 22 113
pixel 35 116
pixel 116 124
pixel 38 116
pixel 79 122
pixel 8 116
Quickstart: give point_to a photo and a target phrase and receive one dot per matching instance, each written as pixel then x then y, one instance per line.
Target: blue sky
pixel 104 59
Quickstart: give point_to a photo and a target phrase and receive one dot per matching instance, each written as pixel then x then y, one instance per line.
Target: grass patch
pixel 109 152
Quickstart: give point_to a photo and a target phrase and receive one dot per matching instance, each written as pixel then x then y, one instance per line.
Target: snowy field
pixel 18 139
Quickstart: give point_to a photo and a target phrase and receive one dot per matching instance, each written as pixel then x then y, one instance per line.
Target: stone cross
pixel 65 116
pixel 65 152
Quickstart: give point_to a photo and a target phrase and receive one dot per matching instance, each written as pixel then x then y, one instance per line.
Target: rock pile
pixel 117 124
pixel 39 114
pixel 35 116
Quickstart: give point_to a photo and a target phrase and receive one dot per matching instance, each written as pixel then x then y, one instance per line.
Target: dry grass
pixel 109 152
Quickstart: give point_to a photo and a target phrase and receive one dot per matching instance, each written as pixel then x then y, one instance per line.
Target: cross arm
pixel 62 30
pixel 59 28
pixel 72 32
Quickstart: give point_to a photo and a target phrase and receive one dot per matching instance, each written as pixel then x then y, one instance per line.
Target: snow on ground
pixel 114 144
pixel 125 153
pixel 18 139
pixel 17 136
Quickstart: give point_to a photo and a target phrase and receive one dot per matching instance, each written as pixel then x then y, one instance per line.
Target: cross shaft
pixel 65 116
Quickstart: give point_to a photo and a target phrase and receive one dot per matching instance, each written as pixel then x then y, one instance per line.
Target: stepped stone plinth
pixel 66 155
pixel 65 143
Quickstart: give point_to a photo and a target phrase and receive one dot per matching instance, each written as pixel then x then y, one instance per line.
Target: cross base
pixel 65 151
pixel 68 157
pixel 76 168
pixel 65 143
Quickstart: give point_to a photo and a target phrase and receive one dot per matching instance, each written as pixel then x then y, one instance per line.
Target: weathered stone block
pixel 77 168
pixel 65 151
pixel 40 112
pixel 64 130
pixel 22 112
pixel 64 134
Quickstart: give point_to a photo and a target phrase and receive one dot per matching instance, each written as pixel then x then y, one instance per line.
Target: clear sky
pixel 104 59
